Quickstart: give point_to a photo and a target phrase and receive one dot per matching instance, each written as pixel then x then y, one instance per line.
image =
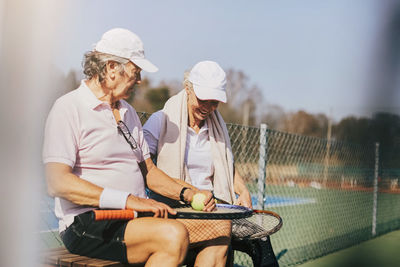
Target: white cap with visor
pixel 124 43
pixel 209 81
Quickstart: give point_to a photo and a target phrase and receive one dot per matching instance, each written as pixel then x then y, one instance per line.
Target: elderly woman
pixel 94 154
pixel 189 139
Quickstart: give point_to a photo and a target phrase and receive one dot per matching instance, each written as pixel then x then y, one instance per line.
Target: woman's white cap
pixel 209 81
pixel 124 43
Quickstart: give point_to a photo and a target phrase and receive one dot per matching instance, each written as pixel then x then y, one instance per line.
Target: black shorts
pixel 96 239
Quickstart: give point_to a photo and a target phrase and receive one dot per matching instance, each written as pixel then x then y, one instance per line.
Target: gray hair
pixel 94 64
pixel 186 83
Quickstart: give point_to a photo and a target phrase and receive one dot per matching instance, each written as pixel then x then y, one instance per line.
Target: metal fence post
pixel 376 174
pixel 262 163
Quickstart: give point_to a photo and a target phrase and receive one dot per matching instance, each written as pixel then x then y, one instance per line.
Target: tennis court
pixel 335 220
pixel 330 221
pixel 278 201
pixel 382 251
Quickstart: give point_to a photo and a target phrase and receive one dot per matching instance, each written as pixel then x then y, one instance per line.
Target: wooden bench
pixel 62 257
pixel 260 252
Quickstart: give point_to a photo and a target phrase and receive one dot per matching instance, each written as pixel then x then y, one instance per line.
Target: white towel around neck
pixel 172 145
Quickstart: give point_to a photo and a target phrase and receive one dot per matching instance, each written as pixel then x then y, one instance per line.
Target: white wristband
pixel 113 199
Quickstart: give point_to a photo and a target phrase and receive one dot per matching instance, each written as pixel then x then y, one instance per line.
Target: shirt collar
pixel 203 129
pixel 89 96
pixel 94 102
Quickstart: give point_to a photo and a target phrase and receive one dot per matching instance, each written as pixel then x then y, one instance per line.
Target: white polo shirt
pixel 81 132
pixel 197 153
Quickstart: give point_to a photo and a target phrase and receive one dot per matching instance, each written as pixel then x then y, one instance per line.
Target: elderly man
pixel 95 153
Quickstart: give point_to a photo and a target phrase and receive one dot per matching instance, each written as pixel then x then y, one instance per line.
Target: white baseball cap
pixel 124 43
pixel 209 81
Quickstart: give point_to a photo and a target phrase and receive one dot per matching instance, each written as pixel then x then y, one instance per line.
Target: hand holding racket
pixel 149 206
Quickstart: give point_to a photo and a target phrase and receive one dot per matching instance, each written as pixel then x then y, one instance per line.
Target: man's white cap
pixel 209 81
pixel 124 43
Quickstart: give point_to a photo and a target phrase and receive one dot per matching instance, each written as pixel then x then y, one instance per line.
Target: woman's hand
pixel 159 209
pixel 244 199
pixel 209 202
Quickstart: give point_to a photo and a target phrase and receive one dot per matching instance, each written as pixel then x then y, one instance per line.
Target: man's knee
pixel 175 233
pixel 158 237
pixel 175 239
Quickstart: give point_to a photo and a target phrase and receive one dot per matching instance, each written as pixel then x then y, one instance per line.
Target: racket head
pixel 222 212
pixel 263 223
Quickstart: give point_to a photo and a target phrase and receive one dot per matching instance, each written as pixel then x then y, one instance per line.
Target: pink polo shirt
pixel 81 132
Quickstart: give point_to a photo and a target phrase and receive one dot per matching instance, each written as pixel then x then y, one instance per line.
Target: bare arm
pixel 61 182
pixel 162 184
pixel 240 188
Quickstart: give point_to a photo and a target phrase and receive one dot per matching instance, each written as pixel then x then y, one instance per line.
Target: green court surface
pixel 383 251
pixel 337 219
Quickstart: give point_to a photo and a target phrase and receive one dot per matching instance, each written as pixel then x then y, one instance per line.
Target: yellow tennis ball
pixel 198 201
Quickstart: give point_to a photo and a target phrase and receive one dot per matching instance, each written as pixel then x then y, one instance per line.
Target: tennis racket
pixel 262 223
pixel 247 223
pixel 222 212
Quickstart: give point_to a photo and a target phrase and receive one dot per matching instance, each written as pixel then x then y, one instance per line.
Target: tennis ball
pixel 198 201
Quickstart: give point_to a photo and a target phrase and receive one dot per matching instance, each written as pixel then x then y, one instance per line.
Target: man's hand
pixel 149 205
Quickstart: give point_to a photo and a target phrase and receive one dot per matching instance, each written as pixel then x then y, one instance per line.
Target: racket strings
pixel 206 230
pixel 256 226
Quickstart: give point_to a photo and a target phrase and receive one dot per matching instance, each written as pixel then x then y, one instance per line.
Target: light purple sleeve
pixel 152 129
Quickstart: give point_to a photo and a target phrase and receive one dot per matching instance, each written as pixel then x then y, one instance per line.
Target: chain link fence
pixel 330 194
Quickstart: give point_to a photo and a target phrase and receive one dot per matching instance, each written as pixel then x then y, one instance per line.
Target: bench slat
pixel 63 258
pixel 90 262
pixel 52 256
pixel 71 260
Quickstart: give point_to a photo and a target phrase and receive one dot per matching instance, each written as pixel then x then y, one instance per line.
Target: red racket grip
pixel 100 215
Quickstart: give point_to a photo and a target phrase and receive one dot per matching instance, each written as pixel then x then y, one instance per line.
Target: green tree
pixel 352 129
pixel 382 127
pixel 157 97
pixel 385 129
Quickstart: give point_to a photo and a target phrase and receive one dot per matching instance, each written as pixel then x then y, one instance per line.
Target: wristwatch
pixel 181 197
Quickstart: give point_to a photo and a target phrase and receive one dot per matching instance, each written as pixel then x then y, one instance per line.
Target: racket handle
pixel 100 215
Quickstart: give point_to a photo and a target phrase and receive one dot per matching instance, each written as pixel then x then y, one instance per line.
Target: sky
pixel 317 56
